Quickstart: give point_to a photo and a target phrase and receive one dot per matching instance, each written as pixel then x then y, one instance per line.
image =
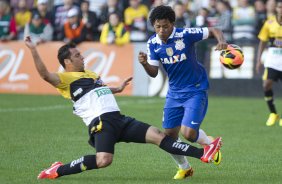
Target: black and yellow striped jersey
pixel 90 96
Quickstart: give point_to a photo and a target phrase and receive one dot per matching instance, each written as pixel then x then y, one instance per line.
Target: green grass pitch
pixel 38 130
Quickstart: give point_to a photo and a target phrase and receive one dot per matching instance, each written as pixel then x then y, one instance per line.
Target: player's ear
pixel 67 61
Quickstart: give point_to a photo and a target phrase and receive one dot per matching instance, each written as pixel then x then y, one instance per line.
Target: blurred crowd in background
pixel 123 21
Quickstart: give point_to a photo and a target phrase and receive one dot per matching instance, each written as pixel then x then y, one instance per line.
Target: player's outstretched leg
pixel 58 169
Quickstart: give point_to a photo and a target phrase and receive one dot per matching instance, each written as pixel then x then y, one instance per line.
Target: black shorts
pixel 112 127
pixel 272 74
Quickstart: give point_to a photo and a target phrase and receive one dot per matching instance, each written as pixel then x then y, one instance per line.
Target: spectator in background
pixel 74 29
pixel 243 21
pixel 38 30
pixel 260 9
pixel 150 28
pixel 114 31
pixel 8 30
pixel 90 20
pixel 201 19
pixel 181 17
pixel 224 19
pixel 42 9
pixel 270 8
pixel 135 17
pixel 111 7
pixel 22 17
pixel 213 14
pixel 14 5
pixel 59 17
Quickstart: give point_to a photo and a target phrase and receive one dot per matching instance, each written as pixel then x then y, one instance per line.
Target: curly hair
pixel 64 53
pixel 162 12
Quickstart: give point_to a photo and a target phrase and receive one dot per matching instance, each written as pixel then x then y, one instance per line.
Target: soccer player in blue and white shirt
pixel 187 98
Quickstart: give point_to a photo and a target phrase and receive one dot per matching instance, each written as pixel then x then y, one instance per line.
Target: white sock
pixel 203 139
pixel 181 160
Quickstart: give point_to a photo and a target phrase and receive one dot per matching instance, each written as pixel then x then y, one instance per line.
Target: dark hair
pixel 64 53
pixel 162 12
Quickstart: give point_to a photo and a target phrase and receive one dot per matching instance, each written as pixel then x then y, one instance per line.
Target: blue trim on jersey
pixel 179 60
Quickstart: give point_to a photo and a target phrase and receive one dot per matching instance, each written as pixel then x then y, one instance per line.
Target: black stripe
pixel 82 86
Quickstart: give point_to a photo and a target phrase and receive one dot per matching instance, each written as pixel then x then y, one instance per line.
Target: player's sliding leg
pixel 168 144
pixel 57 169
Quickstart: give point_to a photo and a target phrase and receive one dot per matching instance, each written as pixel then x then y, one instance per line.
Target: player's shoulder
pixel 153 39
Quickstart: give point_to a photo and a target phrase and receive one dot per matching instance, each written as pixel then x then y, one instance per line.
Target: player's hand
pixel 221 46
pixel 29 43
pixel 142 58
pixel 125 83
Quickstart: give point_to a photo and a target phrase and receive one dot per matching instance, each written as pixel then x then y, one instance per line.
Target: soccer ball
pixel 232 57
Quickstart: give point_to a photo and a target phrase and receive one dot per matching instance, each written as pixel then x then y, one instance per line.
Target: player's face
pixel 163 28
pixel 77 60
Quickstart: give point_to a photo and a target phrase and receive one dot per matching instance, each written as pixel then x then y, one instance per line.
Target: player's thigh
pixel 195 111
pixel 269 76
pixel 172 117
pixel 105 139
pixel 134 130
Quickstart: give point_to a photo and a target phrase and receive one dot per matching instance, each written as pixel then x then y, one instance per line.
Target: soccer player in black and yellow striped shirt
pixel 271 33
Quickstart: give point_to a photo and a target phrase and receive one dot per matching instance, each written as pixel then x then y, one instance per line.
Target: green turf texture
pixel 38 130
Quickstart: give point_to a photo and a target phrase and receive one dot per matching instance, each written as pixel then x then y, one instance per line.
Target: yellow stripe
pixel 265 74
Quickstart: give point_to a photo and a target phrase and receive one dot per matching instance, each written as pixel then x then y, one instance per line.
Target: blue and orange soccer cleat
pixel 183 173
pixel 211 150
pixel 51 172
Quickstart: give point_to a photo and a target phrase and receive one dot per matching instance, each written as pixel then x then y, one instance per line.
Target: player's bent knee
pixel 104 159
pixel 154 135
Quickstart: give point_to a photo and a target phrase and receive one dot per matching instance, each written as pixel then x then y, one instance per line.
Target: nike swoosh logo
pixel 48 171
pixel 217 158
pixel 194 123
pixel 156 50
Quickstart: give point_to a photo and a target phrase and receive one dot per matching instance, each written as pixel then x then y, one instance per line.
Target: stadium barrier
pixel 115 63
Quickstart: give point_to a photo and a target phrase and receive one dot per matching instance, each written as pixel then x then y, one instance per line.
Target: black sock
pixel 84 163
pixel 180 148
pixel 268 96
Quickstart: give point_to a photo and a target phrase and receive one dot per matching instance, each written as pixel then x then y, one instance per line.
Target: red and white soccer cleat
pixel 51 172
pixel 210 150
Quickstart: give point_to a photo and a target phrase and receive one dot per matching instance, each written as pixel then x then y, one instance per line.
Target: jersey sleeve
pixel 153 59
pixel 264 32
pixel 196 34
pixel 63 87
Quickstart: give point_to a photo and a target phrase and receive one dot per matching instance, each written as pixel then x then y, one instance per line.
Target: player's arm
pixel 52 78
pixel 121 87
pixel 261 47
pixel 218 35
pixel 150 69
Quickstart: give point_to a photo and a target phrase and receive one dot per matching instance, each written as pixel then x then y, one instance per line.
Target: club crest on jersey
pixel 179 44
pixel 169 51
